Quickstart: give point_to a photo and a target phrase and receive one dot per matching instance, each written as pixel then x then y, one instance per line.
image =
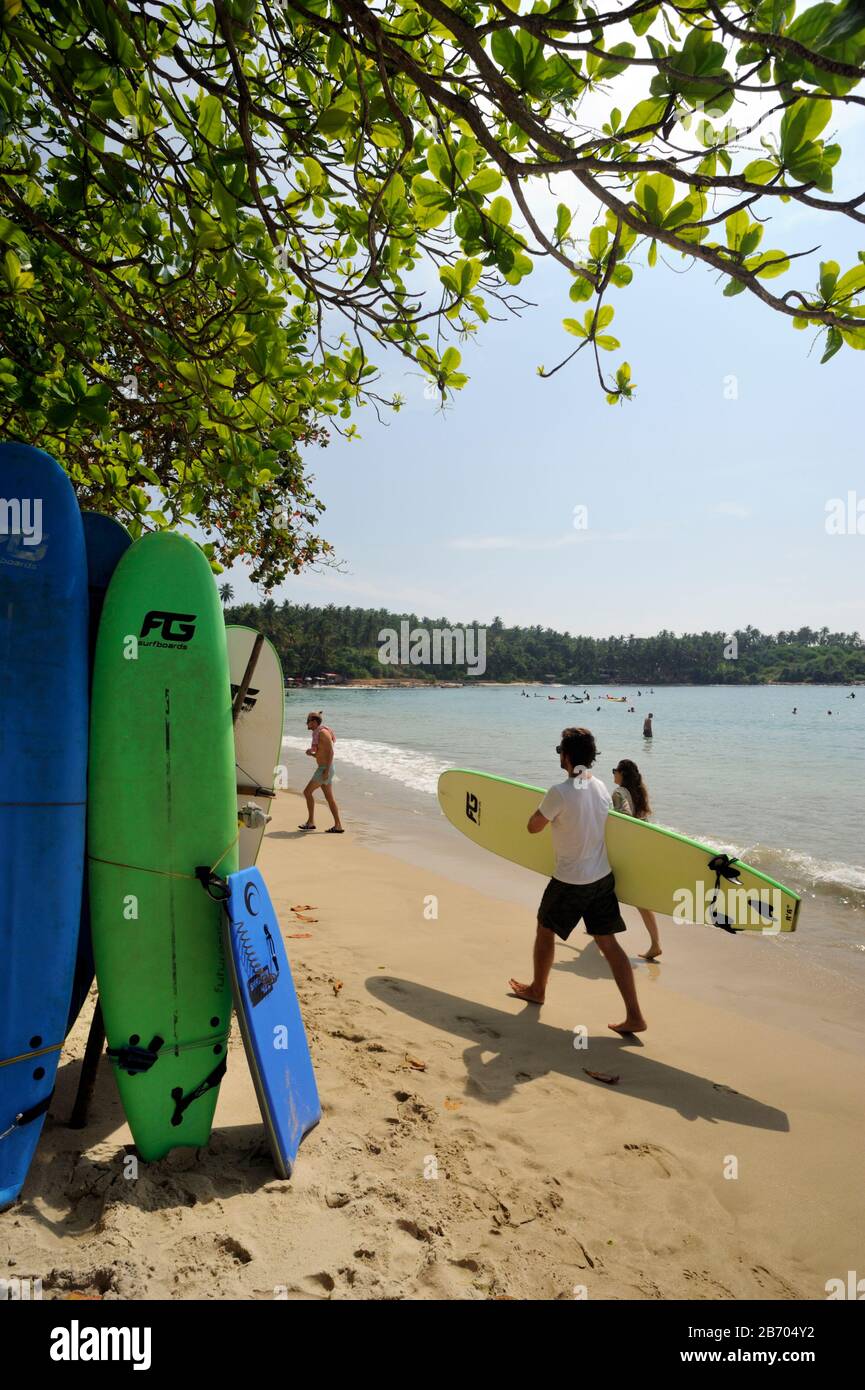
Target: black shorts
pixel 564 905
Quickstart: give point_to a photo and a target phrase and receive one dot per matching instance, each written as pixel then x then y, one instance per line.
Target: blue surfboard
pixel 43 787
pixel 270 1019
pixel 105 540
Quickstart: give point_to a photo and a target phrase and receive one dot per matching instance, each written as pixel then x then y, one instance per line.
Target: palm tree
pixel 226 593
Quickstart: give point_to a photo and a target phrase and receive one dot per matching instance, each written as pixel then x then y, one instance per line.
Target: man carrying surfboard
pixel 583 887
pixel 323 740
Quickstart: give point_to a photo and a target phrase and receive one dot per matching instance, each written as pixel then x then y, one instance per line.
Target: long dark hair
pixel 634 783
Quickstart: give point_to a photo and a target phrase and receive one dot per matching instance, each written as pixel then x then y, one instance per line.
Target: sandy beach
pixel 464 1150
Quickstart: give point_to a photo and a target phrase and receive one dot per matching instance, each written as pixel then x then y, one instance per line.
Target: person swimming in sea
pixel 647 726
pixel 631 798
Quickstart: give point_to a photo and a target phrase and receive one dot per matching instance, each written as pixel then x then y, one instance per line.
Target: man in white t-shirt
pixel 583 888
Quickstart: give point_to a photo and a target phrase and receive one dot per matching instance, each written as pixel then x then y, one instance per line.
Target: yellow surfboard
pixel 654 868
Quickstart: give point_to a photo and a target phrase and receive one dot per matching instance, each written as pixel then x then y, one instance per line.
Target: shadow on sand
pixel 525 1049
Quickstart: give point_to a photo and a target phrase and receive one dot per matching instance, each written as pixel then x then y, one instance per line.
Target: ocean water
pixel 729 765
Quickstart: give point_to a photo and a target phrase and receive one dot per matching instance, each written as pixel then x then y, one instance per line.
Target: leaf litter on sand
pixel 611 1078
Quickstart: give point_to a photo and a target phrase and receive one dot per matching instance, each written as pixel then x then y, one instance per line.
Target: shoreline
pixel 408 683
pixel 464 1152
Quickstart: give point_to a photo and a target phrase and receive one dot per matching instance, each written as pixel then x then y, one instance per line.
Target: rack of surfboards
pixel 134 791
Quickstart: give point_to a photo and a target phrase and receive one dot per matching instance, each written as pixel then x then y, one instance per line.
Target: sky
pixel 706 497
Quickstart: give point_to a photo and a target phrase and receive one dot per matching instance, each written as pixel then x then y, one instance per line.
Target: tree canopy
pixel 216 213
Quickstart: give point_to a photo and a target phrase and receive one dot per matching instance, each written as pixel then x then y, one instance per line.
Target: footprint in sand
pixel 767 1279
pixel 416 1231
pixel 661 1156
pixel 482 1028
pixel 709 1286
pixel 347 1037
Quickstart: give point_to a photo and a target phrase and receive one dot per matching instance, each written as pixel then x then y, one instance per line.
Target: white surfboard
pixel 257 734
pixel 654 867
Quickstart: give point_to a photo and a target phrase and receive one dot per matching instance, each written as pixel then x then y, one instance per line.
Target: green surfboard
pixel 162 805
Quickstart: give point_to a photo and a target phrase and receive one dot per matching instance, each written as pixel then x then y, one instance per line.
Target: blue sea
pixel 733 766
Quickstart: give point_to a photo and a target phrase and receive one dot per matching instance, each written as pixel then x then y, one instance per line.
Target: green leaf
pixel 615 61
pixel 314 172
pixel 333 120
pixel 122 101
pixel 743 235
pixel 485 181
pixel 599 238
pixel 801 124
pixel 210 119
pixel 16 278
pixel 581 290
pixel 851 283
pixel 499 211
pixel 641 22
pixel 829 271
pixel 769 264
pixel 387 137
pixel 646 113
pixel 432 202
pixel 760 171
pixel 654 194
pixel 834 343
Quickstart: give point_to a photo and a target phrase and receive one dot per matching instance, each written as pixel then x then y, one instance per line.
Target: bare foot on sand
pixel 649 955
pixel 525 992
pixel 630 1025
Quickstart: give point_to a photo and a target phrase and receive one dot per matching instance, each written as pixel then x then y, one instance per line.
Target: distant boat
pixel 619 699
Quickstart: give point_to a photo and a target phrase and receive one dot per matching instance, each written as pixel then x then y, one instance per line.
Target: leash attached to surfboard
pixel 722 866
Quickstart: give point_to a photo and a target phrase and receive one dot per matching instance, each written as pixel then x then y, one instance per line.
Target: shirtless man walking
pixel 583 887
pixel 322 750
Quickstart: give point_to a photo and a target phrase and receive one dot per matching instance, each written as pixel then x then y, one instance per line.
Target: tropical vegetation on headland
pixel 346 641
